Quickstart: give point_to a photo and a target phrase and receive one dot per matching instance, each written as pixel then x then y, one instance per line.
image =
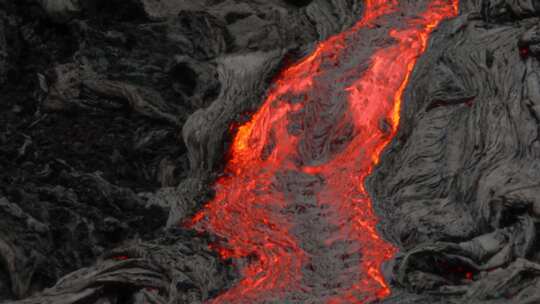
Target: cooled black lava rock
pixel 299 3
pixel 458 188
pixel 95 174
pixel 115 118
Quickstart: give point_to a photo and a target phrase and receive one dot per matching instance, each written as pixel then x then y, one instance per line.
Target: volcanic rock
pixel 95 95
pixel 117 117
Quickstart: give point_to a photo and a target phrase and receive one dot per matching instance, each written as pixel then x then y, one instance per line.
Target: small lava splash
pixel 291 208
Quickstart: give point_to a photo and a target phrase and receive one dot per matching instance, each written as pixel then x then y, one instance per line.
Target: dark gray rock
pixel 98 103
pixel 172 269
pixel 115 121
pixel 3 52
pixel 457 190
pixel 61 10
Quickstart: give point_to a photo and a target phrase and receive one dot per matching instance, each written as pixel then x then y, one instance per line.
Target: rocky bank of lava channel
pixel 291 207
pixel 269 151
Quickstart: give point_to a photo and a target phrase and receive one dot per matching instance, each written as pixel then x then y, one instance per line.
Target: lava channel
pixel 291 208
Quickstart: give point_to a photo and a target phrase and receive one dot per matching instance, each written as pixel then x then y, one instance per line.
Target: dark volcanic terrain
pixel 116 118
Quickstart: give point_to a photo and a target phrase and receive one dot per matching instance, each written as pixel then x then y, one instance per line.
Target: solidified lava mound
pixel 276 151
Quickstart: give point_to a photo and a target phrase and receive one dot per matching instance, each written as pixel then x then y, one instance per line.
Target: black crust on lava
pixel 114 121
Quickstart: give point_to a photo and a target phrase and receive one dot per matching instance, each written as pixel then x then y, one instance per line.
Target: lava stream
pixel 291 207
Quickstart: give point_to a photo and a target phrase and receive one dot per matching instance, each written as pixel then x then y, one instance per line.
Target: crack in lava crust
pixel 291 207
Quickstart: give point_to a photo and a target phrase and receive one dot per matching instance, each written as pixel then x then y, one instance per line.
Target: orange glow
pixel 326 121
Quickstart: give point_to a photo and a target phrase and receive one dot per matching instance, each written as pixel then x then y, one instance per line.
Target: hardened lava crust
pixel 125 125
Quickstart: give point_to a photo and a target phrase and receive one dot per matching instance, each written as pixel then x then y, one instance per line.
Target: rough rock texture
pixel 98 100
pixel 115 119
pixel 458 189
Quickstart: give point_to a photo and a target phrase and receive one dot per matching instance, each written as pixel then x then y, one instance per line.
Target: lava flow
pixel 291 209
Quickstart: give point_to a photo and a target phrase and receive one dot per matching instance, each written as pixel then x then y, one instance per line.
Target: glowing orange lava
pixel 291 207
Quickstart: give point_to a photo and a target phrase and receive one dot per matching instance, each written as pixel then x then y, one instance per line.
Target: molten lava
pixel 291 208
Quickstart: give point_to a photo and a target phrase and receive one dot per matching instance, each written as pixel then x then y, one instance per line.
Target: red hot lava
pixel 292 208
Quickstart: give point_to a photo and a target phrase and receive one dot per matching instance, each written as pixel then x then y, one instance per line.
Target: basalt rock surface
pixel 115 117
pixel 457 190
pixel 115 120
